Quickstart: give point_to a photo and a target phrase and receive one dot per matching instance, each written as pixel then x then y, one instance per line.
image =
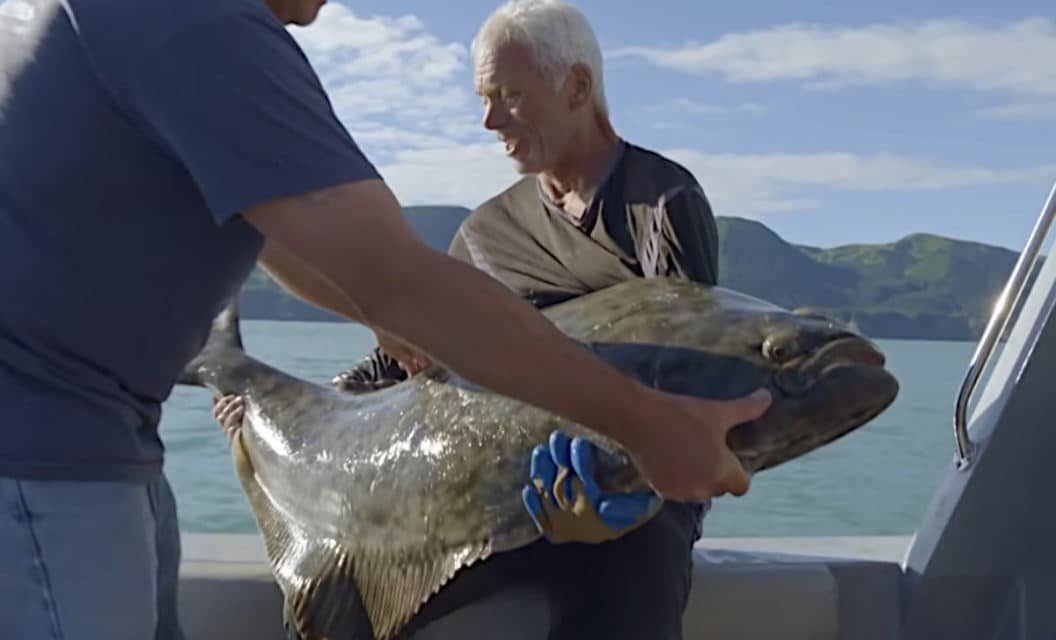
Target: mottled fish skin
pixel 425 476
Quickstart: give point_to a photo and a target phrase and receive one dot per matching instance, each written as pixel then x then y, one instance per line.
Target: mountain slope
pixel 755 260
pixel 922 286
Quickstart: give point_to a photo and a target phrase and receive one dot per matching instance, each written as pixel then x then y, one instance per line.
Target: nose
pixel 495 116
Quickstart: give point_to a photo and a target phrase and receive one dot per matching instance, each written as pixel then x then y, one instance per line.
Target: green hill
pixel 755 260
pixel 922 286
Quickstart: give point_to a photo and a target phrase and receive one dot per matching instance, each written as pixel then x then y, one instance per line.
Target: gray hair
pixel 557 34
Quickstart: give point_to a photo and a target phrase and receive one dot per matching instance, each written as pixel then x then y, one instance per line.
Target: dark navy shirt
pixel 132 135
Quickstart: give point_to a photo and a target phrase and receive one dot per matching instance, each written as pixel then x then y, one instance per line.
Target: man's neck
pixel 573 182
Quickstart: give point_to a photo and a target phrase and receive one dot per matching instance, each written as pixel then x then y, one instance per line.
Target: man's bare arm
pixel 305 282
pixel 356 238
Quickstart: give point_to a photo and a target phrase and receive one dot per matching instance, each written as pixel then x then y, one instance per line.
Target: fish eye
pixel 777 349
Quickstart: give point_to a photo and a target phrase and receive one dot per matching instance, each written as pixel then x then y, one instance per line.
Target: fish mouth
pixel 853 368
pixel 850 350
pixel 801 375
pixel 825 396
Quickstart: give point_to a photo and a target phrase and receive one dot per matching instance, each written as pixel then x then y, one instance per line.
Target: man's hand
pixel 685 456
pixel 229 411
pixel 567 504
pixel 411 360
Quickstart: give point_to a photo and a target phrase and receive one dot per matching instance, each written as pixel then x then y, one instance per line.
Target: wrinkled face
pixel 298 12
pixel 523 107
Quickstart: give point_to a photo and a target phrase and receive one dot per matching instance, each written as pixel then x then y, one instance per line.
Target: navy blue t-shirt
pixel 132 135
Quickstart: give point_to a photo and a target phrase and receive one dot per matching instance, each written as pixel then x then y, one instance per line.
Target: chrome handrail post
pixel 996 326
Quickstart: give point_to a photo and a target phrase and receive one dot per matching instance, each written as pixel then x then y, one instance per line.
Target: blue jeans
pixel 88 560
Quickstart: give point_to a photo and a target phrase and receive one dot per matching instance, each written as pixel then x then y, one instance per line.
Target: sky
pixel 832 123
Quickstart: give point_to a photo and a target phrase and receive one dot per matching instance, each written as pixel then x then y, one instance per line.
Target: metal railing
pixel 996 326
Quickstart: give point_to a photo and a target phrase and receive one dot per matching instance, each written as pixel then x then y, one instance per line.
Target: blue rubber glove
pixel 566 503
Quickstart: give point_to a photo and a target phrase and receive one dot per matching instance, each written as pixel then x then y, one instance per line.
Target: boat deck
pixel 743 589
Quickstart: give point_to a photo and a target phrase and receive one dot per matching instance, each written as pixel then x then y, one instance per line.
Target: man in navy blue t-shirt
pixel 150 153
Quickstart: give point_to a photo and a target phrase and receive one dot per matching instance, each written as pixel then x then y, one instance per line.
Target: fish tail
pixel 225 336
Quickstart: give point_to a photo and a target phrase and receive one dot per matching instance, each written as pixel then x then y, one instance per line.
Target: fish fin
pixel 225 330
pixel 335 590
pixel 224 334
pixel 321 598
pixel 395 584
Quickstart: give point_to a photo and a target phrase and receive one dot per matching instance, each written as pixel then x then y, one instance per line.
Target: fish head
pixel 826 379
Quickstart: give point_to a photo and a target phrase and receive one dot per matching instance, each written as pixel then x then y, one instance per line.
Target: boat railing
pixel 997 326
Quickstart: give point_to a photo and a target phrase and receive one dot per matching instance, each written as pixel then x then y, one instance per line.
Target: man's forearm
pixel 306 283
pixel 462 318
pixel 456 313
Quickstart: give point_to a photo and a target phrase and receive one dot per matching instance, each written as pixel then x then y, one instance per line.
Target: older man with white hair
pixel 590 211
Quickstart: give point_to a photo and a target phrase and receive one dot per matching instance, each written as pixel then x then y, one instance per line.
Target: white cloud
pixel 381 46
pixel 451 175
pixel 1021 111
pixel 1015 57
pixel 761 184
pixel 372 134
pixel 406 96
pixel 736 184
pixel 393 83
pixel 693 107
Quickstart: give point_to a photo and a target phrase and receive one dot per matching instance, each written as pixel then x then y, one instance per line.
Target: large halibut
pixel 369 503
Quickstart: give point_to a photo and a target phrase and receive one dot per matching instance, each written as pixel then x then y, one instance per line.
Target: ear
pixel 580 85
